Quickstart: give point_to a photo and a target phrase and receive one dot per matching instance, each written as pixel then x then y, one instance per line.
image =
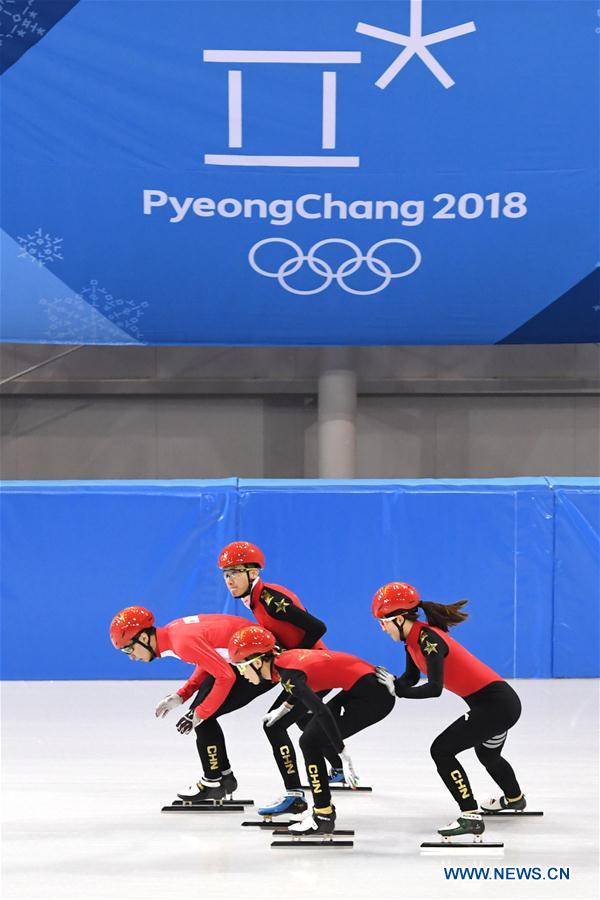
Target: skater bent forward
pixel 494 707
pixel 303 673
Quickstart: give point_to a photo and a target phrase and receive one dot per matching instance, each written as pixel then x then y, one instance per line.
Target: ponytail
pixel 442 615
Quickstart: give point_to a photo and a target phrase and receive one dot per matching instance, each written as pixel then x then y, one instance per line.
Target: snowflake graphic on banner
pixel 40 247
pixel 18 19
pixel 95 314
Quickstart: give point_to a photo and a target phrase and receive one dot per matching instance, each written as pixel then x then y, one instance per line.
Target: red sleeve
pixel 193 683
pixel 194 649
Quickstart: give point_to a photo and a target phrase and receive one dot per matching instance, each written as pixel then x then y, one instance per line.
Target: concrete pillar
pixel 337 413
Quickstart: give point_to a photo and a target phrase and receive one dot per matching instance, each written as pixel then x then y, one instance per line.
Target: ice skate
pixel 465 824
pixel 313 824
pixel 316 823
pixel 314 830
pixel 502 806
pixel 208 796
pixel 292 805
pixel 204 790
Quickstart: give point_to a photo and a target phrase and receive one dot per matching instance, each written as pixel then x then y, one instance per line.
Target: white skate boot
pixel 501 804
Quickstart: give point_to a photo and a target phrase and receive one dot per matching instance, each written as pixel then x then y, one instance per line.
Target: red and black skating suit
pixel 221 689
pixel 197 640
pixel 305 673
pixel 446 663
pixel 494 708
pixel 280 611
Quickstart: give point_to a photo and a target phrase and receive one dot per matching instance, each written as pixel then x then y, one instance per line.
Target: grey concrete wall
pixel 181 412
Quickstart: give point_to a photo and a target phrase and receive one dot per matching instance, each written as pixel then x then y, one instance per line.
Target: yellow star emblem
pixel 281 605
pixel 267 597
pixel 430 647
pixel 288 686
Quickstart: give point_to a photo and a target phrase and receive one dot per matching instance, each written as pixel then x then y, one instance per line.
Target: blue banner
pixel 294 172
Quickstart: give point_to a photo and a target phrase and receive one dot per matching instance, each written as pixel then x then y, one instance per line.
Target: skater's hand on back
pixel 167 704
pixel 386 678
pixel 350 776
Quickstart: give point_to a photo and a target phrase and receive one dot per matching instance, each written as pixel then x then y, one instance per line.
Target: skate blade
pixel 512 813
pixel 266 824
pixel 300 842
pixel 341 787
pixel 205 803
pixel 461 845
pixel 343 831
pixel 207 808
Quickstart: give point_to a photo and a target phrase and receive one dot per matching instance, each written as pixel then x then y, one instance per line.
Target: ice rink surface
pixel 86 768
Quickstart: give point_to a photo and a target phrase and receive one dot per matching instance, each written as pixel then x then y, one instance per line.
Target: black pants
pixel 282 747
pixel 493 710
pixel 365 703
pixel 210 739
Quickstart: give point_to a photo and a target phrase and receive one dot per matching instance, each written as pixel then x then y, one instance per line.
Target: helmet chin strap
pixel 261 677
pixel 147 646
pixel 248 591
pixel 400 628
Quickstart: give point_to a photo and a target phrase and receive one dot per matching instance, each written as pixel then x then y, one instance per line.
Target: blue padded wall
pixel 75 553
pixel 523 551
pixel 576 577
pixel 451 539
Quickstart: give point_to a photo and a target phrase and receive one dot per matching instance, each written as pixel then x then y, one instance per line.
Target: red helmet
pixel 395 597
pixel 128 623
pixel 241 553
pixel 252 640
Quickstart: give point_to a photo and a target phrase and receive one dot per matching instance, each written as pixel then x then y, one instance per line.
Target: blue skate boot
pixel 336 776
pixel 292 803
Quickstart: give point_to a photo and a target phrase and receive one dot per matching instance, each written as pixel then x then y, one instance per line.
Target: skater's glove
pixel 275 714
pixel 350 776
pixel 165 706
pixel 386 678
pixel 188 722
pixel 185 724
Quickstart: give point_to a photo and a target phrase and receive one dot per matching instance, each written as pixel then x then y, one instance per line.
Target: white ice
pixel 87 767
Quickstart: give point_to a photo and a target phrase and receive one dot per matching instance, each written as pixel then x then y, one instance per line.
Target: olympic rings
pixel 320 267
